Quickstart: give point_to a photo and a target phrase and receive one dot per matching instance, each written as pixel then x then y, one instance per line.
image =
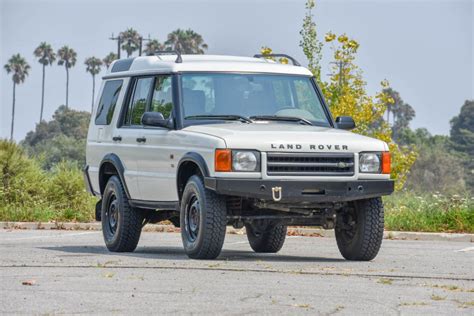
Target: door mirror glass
pixel 345 122
pixel 156 119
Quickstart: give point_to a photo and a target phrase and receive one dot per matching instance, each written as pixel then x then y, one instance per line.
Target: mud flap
pixel 98 210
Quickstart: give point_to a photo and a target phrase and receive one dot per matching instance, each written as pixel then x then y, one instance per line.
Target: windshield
pixel 251 95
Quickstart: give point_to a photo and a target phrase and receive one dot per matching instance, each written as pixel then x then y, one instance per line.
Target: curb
pixel 292 231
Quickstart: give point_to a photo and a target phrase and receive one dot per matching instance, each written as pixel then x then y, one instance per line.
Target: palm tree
pixel 93 67
pixel 46 56
pixel 67 57
pixel 19 68
pixel 153 46
pixel 186 42
pixel 109 59
pixel 130 41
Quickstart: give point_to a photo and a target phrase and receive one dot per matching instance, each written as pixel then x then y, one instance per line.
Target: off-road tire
pixel 212 220
pixel 129 221
pixel 366 240
pixel 269 241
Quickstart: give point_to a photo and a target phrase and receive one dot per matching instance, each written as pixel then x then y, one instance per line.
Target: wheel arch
pixel 190 164
pixel 109 166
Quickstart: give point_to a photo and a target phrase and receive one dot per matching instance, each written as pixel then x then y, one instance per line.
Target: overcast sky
pixel 424 48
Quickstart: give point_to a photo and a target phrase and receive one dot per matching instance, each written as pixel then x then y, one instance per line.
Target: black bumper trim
pixel 294 191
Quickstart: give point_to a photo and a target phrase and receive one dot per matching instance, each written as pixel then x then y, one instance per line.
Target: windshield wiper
pixel 280 118
pixel 219 117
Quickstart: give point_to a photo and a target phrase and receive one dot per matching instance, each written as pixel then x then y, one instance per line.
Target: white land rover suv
pixel 209 141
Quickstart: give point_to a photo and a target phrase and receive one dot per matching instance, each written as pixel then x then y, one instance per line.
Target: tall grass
pixel 28 193
pixel 405 211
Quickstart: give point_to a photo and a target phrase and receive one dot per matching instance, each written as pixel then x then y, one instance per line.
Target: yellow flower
pixel 342 38
pixel 353 44
pixel 283 61
pixel 330 37
pixel 266 50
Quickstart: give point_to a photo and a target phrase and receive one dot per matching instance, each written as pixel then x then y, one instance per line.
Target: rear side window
pixel 107 102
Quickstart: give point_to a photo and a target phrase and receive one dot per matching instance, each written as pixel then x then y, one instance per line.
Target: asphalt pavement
pixel 56 272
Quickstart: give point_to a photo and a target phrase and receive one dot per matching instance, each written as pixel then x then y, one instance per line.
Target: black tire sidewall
pixel 129 221
pixel 193 187
pixel 367 240
pixel 113 187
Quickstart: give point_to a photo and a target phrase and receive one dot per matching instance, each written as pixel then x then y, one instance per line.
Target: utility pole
pixel 140 48
pixel 119 42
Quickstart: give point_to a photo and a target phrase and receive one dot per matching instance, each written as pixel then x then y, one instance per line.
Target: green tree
pixel 437 169
pixel 402 112
pixel 186 42
pixel 462 139
pixel 19 69
pixel 62 138
pixel 109 59
pixel 309 41
pixel 93 66
pixel 346 92
pixel 67 57
pixel 130 41
pixel 46 56
pixel 152 46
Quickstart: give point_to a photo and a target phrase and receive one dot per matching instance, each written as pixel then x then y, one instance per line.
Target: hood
pixel 288 137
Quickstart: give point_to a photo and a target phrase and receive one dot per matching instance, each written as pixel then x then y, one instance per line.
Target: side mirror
pixel 156 119
pixel 345 122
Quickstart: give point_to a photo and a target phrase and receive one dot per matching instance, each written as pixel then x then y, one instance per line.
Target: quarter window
pixel 108 100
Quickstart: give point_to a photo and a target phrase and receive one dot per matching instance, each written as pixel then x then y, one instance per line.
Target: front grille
pixel 309 164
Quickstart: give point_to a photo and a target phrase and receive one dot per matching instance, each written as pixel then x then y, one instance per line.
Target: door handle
pixel 117 138
pixel 141 139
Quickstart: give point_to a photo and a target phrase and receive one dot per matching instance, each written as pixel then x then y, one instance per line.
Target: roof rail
pixel 294 61
pixel 170 52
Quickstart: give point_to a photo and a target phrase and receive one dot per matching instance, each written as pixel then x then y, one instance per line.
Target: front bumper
pixel 296 191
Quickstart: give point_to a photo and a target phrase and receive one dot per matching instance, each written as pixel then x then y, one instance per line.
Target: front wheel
pixel 203 220
pixel 359 229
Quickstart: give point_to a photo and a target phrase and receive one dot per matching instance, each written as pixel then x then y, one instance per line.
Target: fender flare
pixel 196 159
pixel 117 163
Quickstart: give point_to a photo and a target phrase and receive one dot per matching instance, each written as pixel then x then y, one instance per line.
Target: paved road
pixel 73 273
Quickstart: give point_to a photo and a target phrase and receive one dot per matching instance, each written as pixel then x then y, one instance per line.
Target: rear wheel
pixel 359 229
pixel 266 238
pixel 203 220
pixel 121 224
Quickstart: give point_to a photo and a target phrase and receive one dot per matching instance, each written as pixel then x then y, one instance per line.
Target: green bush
pixel 406 211
pixel 28 193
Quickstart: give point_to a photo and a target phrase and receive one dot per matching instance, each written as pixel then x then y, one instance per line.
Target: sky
pixel 424 48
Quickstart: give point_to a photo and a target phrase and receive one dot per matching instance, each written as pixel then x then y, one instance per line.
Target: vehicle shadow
pixel 177 253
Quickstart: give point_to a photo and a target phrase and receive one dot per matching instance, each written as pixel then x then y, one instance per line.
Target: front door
pixel 156 161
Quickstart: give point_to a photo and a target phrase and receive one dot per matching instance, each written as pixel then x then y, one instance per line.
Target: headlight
pixel 369 162
pixel 245 161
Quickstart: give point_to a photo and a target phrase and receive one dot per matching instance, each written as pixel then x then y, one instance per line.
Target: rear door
pixel 104 138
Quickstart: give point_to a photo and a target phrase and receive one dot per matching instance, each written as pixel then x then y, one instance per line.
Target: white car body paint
pixel 150 168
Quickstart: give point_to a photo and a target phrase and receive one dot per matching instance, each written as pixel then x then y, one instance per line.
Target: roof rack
pixel 170 52
pixel 294 61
